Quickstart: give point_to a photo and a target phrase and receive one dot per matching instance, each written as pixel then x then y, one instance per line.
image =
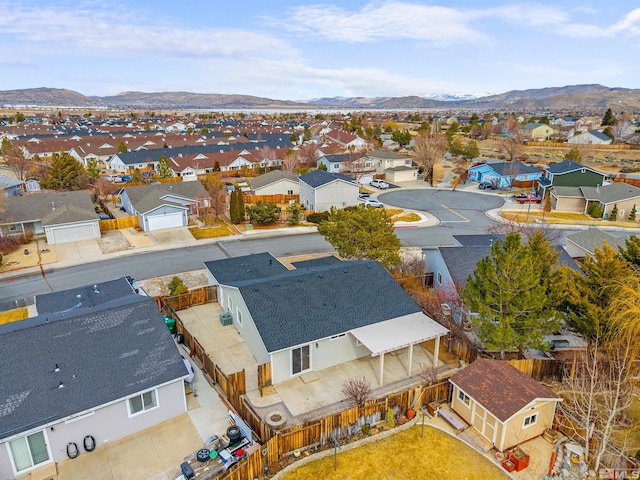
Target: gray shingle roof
pixel 317 178
pixel 38 206
pixel 246 267
pixel 568 166
pixel 479 240
pixel 574 192
pixel 317 262
pixel 614 192
pixel 321 302
pixel 513 168
pixel 343 157
pixel 385 155
pixel 145 198
pixel 103 355
pixel 8 182
pixel 272 177
pixel 594 238
pixel 598 134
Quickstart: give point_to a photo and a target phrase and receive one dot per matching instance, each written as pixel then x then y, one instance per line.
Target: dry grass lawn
pixel 13 315
pixel 393 211
pixel 404 456
pixel 407 217
pixel 220 230
pixel 560 218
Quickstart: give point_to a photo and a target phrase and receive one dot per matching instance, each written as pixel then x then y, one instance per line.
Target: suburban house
pixel 346 139
pixel 384 161
pixel 357 165
pixel 569 174
pixel 95 364
pixel 506 406
pixel 275 182
pixel 536 132
pixel 375 317
pixel 320 190
pixel 585 242
pixel 164 205
pixel 592 137
pixel 622 196
pixel 505 174
pixel 11 187
pixel 62 216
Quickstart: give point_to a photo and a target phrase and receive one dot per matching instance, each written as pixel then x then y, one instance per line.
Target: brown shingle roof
pixel 499 387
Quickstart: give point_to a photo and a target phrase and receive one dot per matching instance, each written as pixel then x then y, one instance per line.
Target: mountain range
pixel 571 97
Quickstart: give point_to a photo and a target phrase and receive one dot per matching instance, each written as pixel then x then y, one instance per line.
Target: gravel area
pixel 158 285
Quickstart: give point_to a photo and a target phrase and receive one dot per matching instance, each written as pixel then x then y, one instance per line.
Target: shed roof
pixel 272 177
pixel 499 387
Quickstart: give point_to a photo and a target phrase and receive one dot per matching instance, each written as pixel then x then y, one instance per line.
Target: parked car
pixel 372 202
pixel 486 186
pixel 381 184
pixel 528 198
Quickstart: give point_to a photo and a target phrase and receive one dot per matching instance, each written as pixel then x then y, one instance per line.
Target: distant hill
pixel 577 97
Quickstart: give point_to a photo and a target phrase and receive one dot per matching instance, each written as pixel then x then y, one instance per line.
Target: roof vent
pixel 368 265
pixel 95 289
pixel 344 270
pixel 248 270
pixel 256 289
pixel 277 284
pixel 321 275
pixel 300 280
pixel 60 385
pixel 57 369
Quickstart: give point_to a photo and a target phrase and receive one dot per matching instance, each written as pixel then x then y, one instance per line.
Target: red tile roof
pixel 500 387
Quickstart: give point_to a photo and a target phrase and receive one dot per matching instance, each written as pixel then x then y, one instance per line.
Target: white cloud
pixel 389 20
pixel 95 33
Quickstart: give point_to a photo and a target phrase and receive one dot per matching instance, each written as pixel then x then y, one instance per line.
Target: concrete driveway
pixel 173 236
pixel 448 206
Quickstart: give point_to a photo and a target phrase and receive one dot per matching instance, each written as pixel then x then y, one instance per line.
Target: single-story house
pixel 592 137
pixel 275 182
pixel 11 187
pixel 62 216
pixel 624 196
pixel 504 174
pixel 585 242
pixel 165 205
pixel 569 174
pixel 320 190
pixel 96 364
pixel 375 317
pixel 506 406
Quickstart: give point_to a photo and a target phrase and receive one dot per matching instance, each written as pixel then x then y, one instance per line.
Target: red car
pixel 523 198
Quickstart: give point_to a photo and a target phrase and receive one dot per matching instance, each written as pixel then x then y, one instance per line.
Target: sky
pixel 293 50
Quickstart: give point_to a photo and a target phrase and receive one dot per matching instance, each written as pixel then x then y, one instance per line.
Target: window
pixel 335 337
pixel 530 420
pixel 143 402
pixel 29 451
pixel 239 316
pixel 439 279
pixel 463 398
pixel 300 359
pixel 230 304
pixel 289 192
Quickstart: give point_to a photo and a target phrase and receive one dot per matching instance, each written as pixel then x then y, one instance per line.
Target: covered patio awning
pixel 398 333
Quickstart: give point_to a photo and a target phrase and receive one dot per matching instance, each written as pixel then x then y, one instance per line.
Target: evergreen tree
pixel 236 207
pixel 614 213
pixel 573 155
pixel 632 214
pixel 93 172
pixel 594 210
pixel 471 150
pixel 322 166
pixel 631 250
pixel 608 119
pixel 294 213
pixel 122 147
pixel 64 173
pixel 362 233
pixel 163 170
pixel 263 213
pixel 508 290
pixel 216 166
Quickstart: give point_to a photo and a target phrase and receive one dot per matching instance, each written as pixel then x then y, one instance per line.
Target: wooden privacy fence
pixel 119 223
pixel 597 146
pixel 541 369
pixel 276 198
pixel 463 350
pixel 197 296
pixel 264 376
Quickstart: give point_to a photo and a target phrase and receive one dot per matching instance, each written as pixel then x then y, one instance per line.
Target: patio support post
pixel 410 360
pixel 436 352
pixel 381 372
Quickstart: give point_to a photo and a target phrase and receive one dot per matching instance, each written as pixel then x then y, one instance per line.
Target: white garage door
pixel 70 233
pixel 365 179
pixel 170 220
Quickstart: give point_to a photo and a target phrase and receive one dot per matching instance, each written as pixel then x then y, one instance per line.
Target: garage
pixel 72 232
pixel 166 220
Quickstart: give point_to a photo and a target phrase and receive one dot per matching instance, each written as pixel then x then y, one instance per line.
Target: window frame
pixel 156 403
pixel 464 398
pixel 239 315
pixel 291 358
pixel 33 464
pixel 532 420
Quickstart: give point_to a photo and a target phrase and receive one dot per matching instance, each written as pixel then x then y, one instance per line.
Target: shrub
pixel 26 238
pixel 9 244
pixel 595 211
pixel 263 213
pixel 295 210
pixel 318 217
pixel 357 390
pixel 176 286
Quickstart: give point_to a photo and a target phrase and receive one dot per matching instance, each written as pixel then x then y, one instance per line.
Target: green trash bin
pixel 170 323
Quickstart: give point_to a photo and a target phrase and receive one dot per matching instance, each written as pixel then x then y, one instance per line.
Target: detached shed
pixel 506 406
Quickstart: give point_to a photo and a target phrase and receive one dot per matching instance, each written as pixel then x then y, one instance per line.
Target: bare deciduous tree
pixel 429 148
pixel 14 158
pixel 428 373
pixel 357 390
pixel 216 192
pixel 307 154
pixel 290 162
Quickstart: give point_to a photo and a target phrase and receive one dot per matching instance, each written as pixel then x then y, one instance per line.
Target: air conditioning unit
pixel 226 319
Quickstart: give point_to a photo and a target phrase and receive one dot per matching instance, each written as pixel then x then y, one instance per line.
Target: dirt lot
pixel 158 285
